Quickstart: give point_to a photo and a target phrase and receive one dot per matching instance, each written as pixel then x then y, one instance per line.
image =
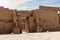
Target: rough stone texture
pixel 26 21
pixel 32 23
pixel 16 30
pixel 48 19
pixel 22 20
pixel 40 20
pixel 5 14
pixel 6 23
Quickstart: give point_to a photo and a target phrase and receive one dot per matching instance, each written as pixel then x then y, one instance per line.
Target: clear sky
pixel 28 4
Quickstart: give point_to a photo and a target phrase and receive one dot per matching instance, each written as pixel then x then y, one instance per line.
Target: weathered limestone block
pixel 5 14
pixel 5 27
pixel 16 30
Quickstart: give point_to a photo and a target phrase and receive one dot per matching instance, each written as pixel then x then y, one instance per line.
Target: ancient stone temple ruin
pixel 40 20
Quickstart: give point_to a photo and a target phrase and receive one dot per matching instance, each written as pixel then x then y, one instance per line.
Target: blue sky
pixel 28 4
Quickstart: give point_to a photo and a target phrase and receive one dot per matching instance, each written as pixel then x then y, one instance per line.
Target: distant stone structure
pixel 40 20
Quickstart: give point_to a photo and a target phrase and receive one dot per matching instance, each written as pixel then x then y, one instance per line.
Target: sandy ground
pixel 32 36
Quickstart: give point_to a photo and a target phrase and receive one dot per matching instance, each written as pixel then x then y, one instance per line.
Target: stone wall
pixel 40 20
pixel 48 18
pixel 5 20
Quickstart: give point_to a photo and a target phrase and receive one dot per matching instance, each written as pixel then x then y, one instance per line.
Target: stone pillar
pixel 38 27
pixel 32 23
pixel 16 29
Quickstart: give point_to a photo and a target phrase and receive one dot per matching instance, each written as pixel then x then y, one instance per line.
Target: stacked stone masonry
pixel 40 20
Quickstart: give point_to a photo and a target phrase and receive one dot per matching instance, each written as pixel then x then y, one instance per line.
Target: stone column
pixel 16 29
pixel 38 27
